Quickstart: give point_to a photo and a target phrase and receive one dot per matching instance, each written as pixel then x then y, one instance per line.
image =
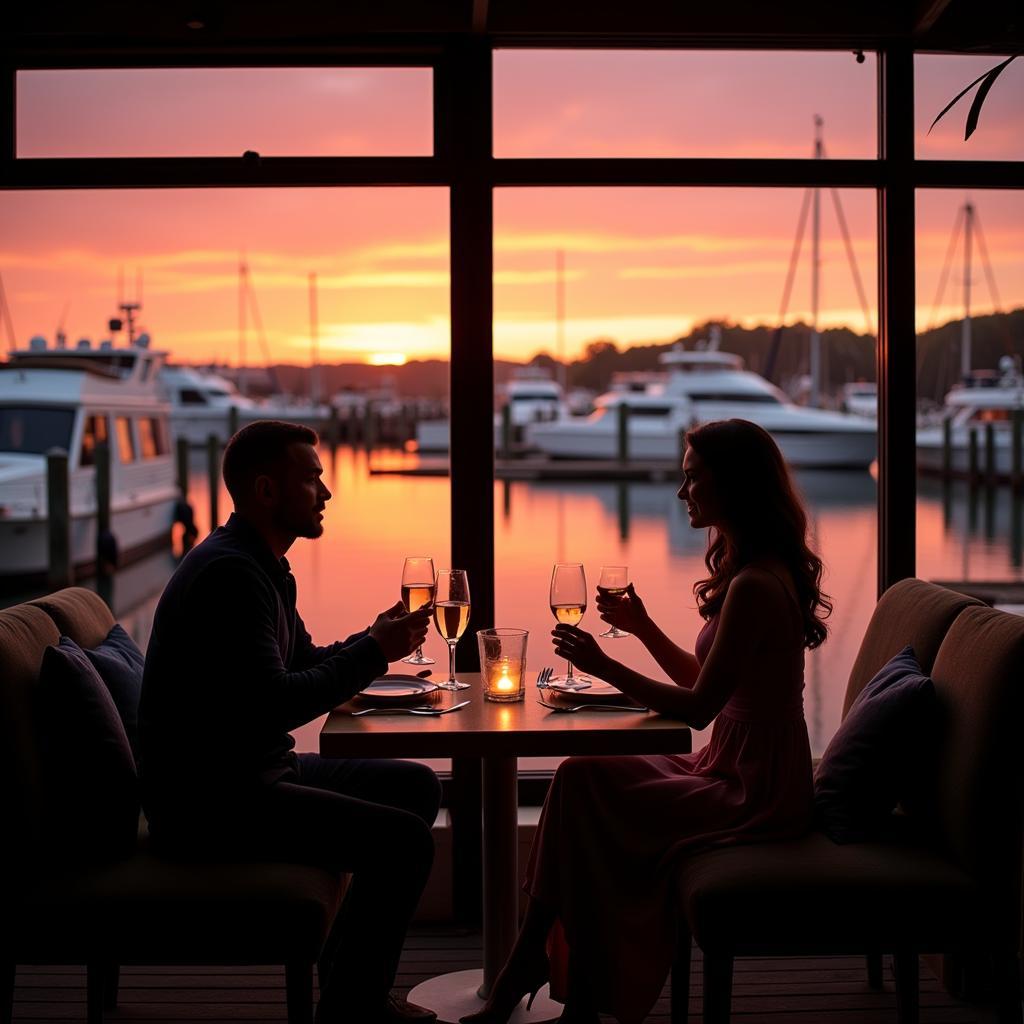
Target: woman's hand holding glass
pixel 625 612
pixel 580 648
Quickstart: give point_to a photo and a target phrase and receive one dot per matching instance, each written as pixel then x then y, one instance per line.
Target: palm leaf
pixel 972 118
pixel 975 112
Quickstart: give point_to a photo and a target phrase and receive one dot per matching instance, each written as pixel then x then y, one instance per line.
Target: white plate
pixel 598 692
pixel 398 688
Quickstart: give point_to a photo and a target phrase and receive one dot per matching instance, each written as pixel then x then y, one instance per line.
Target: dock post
pixel 623 448
pixel 369 426
pixel 972 457
pixel 58 512
pixel 1016 449
pixel 947 448
pixel 106 545
pixel 990 454
pixel 232 421
pixel 181 446
pixel 506 431
pixel 332 427
pixel 213 471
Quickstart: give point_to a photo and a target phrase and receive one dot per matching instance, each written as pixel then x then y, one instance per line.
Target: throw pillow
pixel 119 663
pixel 874 758
pixel 92 787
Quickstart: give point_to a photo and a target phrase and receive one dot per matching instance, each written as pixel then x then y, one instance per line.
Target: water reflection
pixel 373 522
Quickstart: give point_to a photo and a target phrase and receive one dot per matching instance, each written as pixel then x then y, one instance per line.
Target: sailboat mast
pixel 815 342
pixel 243 275
pixel 560 316
pixel 965 324
pixel 314 343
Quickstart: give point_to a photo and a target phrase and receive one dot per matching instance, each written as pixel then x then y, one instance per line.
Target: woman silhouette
pixel 613 829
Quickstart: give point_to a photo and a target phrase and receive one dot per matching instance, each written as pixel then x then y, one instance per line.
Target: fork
pixel 592 707
pixel 543 676
pixel 419 709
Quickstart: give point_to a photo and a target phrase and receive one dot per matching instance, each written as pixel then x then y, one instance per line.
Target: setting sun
pixel 386 359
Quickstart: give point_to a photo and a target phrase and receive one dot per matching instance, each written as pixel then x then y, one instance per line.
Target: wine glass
pixel 568 603
pixel 451 616
pixel 417 591
pixel 613 582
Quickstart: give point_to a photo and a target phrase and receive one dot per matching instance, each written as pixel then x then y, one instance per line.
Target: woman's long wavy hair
pixel 763 516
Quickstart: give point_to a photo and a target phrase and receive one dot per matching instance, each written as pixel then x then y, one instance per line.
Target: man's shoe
pixel 400 1011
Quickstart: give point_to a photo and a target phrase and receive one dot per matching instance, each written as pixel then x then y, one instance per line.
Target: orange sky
pixel 641 264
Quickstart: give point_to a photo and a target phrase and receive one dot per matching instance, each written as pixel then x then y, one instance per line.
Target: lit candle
pixel 502 682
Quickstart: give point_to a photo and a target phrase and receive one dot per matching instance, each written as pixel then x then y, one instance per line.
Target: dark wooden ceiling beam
pixel 928 13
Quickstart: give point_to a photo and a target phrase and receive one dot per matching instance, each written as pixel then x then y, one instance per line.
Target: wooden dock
pixel 791 990
pixel 536 468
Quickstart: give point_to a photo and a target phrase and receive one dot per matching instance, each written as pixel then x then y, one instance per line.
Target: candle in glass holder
pixel 503 663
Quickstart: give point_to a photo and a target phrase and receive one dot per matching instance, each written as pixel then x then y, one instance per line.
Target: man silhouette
pixel 230 670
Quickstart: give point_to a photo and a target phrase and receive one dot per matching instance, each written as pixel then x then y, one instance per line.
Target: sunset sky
pixel 641 265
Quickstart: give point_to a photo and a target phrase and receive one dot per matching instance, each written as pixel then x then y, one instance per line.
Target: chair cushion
pixel 79 613
pixel 148 909
pixel 909 612
pixel 89 772
pixel 882 746
pixel 119 663
pixel 25 633
pixel 812 894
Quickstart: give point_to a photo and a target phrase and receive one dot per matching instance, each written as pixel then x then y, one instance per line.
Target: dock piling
pixel 106 543
pixel 506 431
pixel 232 421
pixel 623 439
pixel 990 454
pixel 58 510
pixel 972 457
pixel 181 452
pixel 947 448
pixel 1016 452
pixel 213 471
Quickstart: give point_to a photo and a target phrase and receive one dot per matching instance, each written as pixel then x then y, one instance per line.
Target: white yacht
pixel 982 397
pixel 705 384
pixel 72 399
pixel 201 404
pixel 532 398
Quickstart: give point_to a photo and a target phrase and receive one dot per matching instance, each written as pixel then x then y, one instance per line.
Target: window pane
pixel 642 268
pixel 380 357
pixel 94 430
pixel 970 347
pixel 125 440
pixel 651 103
pixel 1000 132
pixel 28 430
pixel 225 111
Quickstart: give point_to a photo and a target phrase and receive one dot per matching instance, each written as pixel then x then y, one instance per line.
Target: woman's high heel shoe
pixel 508 992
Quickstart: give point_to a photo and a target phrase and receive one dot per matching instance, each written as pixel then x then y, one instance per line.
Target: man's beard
pixel 310 527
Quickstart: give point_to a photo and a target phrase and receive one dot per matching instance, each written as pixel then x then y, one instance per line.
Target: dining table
pixel 498 733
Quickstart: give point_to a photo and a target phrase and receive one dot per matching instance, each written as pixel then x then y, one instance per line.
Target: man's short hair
pixel 260 448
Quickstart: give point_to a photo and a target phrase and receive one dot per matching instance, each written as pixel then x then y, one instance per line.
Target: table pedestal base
pixel 452 996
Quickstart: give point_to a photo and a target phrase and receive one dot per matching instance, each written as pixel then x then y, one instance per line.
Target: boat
pixel 982 398
pixel 532 398
pixel 201 404
pixel 53 397
pixel 703 384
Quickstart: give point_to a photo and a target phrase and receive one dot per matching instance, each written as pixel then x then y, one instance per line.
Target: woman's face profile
pixel 698 492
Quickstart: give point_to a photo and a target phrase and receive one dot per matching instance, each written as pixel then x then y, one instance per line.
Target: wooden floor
pixel 823 990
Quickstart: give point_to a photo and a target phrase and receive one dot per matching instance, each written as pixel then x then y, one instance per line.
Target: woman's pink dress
pixel 614 828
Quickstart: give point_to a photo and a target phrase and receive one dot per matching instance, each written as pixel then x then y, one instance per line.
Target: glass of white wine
pixel 613 582
pixel 451 616
pixel 417 591
pixel 568 603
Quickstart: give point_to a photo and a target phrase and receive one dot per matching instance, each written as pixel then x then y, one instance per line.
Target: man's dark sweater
pixel 230 670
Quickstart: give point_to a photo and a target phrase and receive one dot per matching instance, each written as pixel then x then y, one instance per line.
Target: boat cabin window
pixel 191 396
pixel 152 437
pixel 533 396
pixel 95 429
pixel 218 393
pixel 746 397
pixel 991 415
pixel 125 440
pixel 28 430
pixel 649 411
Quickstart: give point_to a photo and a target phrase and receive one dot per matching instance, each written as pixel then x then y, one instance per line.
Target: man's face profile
pixel 296 492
